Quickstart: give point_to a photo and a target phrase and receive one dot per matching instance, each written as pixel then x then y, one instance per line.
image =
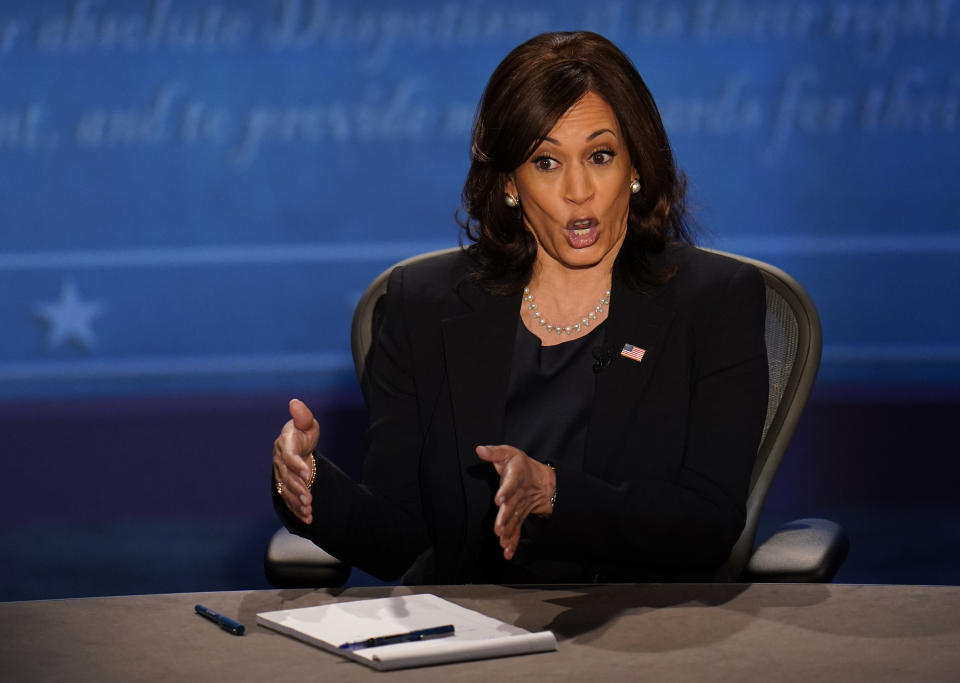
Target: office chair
pixel 805 550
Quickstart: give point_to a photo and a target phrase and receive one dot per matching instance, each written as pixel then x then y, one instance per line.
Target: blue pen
pixel 226 623
pixel 408 637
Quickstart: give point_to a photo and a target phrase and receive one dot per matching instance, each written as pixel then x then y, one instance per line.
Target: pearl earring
pixel 635 186
pixel 512 202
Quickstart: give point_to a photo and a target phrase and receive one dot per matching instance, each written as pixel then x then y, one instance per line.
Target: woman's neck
pixel 565 297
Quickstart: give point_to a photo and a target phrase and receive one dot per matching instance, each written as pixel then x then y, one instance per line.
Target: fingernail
pixel 303 499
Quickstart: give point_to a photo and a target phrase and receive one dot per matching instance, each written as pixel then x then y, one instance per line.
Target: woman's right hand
pixel 291 468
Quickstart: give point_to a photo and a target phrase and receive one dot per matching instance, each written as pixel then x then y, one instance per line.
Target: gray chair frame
pixel 803 550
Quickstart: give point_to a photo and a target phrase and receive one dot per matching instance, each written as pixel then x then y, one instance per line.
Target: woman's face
pixel 574 189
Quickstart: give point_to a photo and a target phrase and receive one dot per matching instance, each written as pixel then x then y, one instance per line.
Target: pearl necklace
pixel 569 329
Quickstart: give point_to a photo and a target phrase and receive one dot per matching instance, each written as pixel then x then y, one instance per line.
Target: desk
pixel 606 633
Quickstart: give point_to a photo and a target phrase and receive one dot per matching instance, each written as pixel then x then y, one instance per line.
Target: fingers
pixel 302 511
pixel 291 446
pixel 525 488
pixel 488 453
pixel 300 504
pixel 495 454
pixel 297 439
pixel 509 545
pixel 510 518
pixel 498 456
pixel 508 528
pixel 292 477
pixel 303 422
pixel 511 464
pixel 511 481
pixel 294 491
pixel 302 417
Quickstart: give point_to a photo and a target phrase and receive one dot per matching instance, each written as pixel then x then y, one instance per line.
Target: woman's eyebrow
pixel 600 132
pixel 592 135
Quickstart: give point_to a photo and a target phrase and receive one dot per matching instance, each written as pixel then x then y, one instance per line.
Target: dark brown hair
pixel 527 94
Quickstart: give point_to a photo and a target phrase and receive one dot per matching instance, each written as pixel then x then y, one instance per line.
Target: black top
pixel 669 449
pixel 549 398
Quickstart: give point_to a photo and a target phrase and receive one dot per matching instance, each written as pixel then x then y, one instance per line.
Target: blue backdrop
pixel 193 194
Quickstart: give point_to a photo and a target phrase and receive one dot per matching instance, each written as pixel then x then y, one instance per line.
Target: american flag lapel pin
pixel 632 352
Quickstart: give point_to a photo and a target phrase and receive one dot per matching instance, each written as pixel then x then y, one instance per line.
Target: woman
pixel 619 373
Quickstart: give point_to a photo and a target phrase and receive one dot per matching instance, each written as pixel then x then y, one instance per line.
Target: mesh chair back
pixel 793 339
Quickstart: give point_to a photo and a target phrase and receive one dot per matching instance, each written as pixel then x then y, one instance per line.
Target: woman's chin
pixel 580 259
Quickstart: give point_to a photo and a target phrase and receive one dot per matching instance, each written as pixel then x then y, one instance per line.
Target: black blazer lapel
pixel 478 350
pixel 637 319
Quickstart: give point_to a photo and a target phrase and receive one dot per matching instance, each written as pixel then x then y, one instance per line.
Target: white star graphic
pixel 70 318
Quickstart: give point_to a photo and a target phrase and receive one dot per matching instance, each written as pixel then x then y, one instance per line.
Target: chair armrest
pixel 295 562
pixel 801 551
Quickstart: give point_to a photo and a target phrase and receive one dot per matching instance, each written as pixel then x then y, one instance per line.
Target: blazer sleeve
pixel 692 519
pixel 377 526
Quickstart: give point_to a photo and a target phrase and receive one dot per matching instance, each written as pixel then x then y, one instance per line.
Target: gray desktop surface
pixel 676 632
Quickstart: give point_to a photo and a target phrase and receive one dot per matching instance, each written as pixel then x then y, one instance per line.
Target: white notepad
pixel 476 636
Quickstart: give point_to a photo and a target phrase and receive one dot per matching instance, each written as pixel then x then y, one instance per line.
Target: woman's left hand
pixel 526 487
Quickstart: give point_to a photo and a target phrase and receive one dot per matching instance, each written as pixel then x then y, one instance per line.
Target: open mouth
pixel 582 232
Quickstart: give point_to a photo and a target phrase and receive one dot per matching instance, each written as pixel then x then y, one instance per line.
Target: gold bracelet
pixel 313 469
pixel 553 498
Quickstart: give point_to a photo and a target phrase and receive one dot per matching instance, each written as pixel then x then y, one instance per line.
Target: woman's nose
pixel 578 187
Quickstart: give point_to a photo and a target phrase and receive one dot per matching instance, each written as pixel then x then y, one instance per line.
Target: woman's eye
pixel 601 157
pixel 545 163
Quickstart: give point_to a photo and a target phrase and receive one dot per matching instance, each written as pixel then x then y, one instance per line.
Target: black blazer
pixel 670 443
